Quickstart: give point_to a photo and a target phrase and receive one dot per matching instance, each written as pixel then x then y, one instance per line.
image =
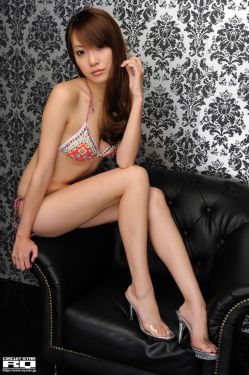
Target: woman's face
pixel 92 58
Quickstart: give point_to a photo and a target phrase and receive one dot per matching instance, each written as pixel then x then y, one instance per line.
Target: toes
pixel 212 348
pixel 159 330
pixel 166 330
pixel 206 346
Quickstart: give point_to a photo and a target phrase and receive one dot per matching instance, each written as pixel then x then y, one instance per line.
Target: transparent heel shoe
pixel 201 354
pixel 133 312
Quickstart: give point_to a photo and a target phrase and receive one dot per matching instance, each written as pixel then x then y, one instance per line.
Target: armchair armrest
pixel 229 281
pixel 75 260
pixel 66 266
pixel 228 292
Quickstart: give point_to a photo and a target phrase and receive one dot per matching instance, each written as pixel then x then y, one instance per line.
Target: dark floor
pixel 20 330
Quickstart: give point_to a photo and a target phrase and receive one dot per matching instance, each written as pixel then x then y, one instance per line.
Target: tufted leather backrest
pixel 206 210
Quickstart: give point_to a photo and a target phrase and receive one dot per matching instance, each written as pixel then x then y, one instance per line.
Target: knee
pixel 157 200
pixel 137 175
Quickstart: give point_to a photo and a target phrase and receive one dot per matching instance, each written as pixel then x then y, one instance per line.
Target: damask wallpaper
pixel 196 84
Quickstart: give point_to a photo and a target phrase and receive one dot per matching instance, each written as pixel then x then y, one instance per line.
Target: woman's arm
pixel 128 148
pixel 54 118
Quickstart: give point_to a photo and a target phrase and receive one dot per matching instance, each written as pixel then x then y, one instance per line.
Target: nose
pixel 92 57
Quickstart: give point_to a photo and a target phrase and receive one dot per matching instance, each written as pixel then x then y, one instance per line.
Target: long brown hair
pixel 95 26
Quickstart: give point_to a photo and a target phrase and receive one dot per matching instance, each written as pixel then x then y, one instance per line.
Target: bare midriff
pixel 66 172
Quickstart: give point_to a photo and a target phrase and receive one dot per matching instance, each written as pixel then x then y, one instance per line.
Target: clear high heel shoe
pixel 148 333
pixel 201 354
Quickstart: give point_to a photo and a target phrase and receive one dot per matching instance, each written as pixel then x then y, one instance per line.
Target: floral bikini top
pixel 81 146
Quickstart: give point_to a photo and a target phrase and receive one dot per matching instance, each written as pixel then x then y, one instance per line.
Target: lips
pixel 97 71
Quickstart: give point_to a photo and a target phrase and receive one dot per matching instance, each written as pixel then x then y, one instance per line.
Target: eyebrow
pixel 78 45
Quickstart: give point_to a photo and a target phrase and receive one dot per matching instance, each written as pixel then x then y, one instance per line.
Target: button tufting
pixel 170 203
pixel 221 242
pixel 185 232
pixel 208 209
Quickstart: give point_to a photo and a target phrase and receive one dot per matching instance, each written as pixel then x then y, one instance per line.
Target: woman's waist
pixel 54 185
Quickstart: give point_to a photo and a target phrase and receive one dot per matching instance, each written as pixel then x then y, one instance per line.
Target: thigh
pixel 74 205
pixel 110 214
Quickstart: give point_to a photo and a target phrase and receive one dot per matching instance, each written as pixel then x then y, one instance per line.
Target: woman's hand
pixel 21 253
pixel 135 71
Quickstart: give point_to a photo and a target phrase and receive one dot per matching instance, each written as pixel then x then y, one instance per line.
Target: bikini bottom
pixel 16 220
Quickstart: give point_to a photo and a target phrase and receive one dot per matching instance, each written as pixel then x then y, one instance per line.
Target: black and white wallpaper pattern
pixel 196 107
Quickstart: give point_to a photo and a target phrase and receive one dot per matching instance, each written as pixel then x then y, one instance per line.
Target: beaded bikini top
pixel 81 145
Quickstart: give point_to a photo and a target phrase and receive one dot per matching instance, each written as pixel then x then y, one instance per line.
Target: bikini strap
pixel 90 108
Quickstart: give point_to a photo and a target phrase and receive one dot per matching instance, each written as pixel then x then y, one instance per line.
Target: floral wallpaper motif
pixel 163 44
pixel 196 85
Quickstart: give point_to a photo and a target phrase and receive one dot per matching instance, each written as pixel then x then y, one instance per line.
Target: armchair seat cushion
pixel 98 324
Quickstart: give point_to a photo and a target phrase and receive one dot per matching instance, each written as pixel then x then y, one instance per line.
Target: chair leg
pixel 55 370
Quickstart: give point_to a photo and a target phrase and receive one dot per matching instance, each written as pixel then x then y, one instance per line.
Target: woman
pixel 93 116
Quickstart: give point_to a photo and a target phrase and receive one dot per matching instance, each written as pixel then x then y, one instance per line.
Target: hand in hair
pixel 135 71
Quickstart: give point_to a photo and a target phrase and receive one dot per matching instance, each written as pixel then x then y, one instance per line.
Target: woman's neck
pixel 98 90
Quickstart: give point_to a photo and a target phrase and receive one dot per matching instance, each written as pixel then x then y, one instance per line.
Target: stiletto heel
pixel 131 317
pixel 131 311
pixel 181 329
pixel 201 354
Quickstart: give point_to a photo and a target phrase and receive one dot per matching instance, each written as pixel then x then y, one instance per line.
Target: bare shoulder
pixel 60 104
pixel 70 91
pixel 65 91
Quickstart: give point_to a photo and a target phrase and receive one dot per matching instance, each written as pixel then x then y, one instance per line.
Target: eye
pixel 78 53
pixel 99 46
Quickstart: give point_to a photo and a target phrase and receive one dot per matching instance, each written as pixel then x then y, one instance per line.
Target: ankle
pixel 141 293
pixel 193 305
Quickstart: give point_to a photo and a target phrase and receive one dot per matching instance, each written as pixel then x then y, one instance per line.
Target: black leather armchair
pixel 84 274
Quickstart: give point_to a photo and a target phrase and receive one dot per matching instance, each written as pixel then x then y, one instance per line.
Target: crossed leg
pixel 125 195
pixel 169 246
pixel 81 202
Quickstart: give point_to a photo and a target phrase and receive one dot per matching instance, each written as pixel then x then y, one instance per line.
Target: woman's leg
pixel 169 246
pixel 72 206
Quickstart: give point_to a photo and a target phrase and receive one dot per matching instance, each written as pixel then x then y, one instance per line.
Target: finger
pixel 123 63
pixel 18 264
pixel 27 262
pixel 135 68
pixel 127 61
pixel 133 58
pixel 131 61
pixel 131 73
pixel 136 58
pixel 22 266
pixel 34 254
pixel 140 62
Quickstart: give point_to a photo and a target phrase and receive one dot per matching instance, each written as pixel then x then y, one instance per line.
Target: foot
pixel 149 316
pixel 196 317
